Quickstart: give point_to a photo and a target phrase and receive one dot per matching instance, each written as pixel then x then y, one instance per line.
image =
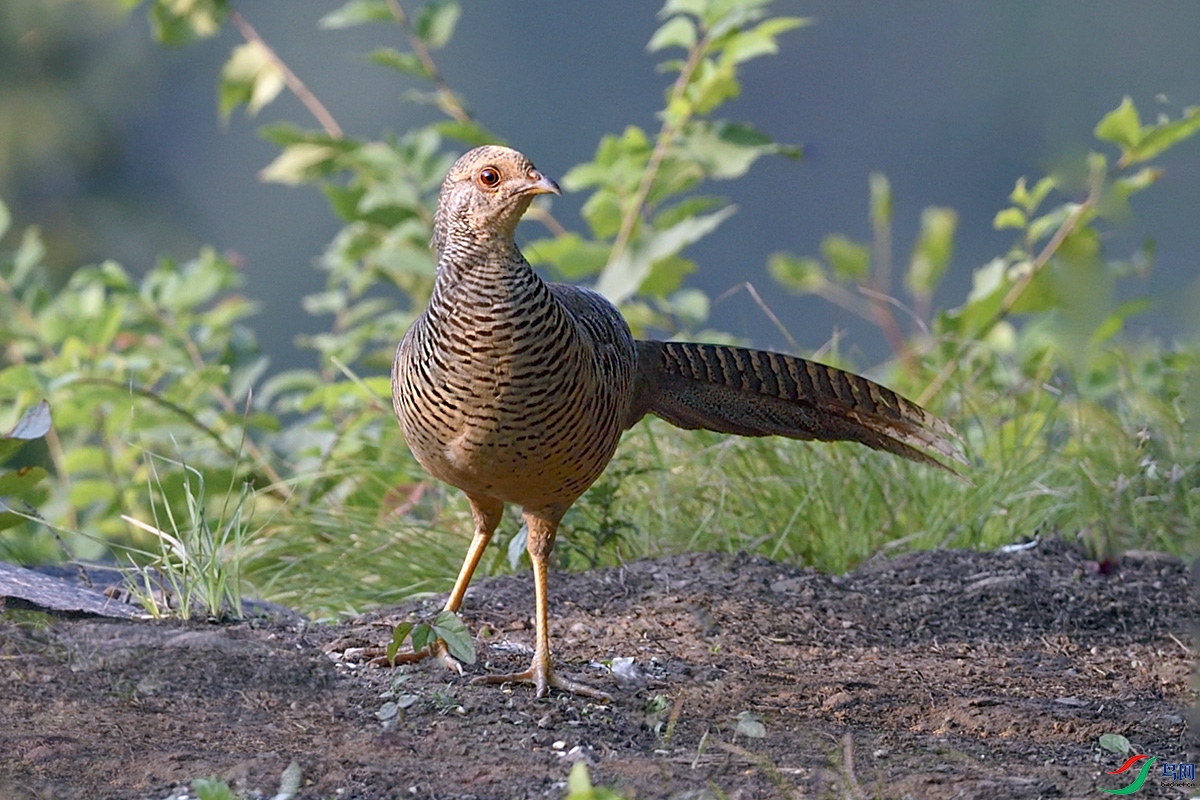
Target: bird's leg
pixel 540 541
pixel 487 512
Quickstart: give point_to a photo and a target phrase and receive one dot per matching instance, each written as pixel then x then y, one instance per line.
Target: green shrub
pixel 158 386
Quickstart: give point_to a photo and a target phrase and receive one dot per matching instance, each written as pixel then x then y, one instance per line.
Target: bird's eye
pixel 489 177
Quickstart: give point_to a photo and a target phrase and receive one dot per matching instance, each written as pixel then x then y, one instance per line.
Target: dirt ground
pixel 932 675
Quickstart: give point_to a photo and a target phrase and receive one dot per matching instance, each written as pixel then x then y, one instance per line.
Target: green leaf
pixel 422 636
pixel 1010 217
pixel 283 134
pixel 470 133
pixel 750 725
pixel 212 789
pixel 19 482
pixel 197 282
pixel 357 12
pixel 579 786
pixel 250 76
pixel 620 160
pixel 1161 137
pixel 399 634
pixel 1040 190
pixel 988 286
pixel 931 253
pixel 408 63
pixel 1114 323
pixel 28 257
pixel 849 259
pixel 386 194
pixel 176 23
pixel 691 206
pixel 1121 126
pixel 1020 193
pixel 696 8
pixel 579 782
pixel 726 150
pixel 435 24
pixel 1046 224
pixel 290 382
pixel 1144 178
pixel 711 85
pixel 761 40
pixel 84 492
pixel 8 517
pixel 516 546
pixel 451 630
pixel 1115 743
pixel 1039 295
pixel 880 203
pixel 571 255
pixel 622 278
pixel 5 219
pixel 666 275
pixel 689 306
pixel 297 164
pixel 678 31
pixel 33 424
pixel 799 274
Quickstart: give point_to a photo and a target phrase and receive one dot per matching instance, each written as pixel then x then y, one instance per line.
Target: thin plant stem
pixel 447 100
pixel 1019 286
pixel 290 79
pixel 666 135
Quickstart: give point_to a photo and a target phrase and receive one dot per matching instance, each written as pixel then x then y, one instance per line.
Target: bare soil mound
pixel 932 675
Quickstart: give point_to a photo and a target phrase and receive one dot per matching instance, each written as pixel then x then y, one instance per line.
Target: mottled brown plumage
pixel 517 391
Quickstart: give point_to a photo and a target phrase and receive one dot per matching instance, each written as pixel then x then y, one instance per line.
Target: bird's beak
pixel 540 184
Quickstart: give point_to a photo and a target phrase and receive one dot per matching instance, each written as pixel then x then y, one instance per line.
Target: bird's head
pixel 485 193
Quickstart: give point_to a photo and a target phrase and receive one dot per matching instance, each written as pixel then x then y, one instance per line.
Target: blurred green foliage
pixel 62 102
pixel 19 486
pixel 158 386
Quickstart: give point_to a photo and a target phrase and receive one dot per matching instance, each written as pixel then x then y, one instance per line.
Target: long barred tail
pixel 758 393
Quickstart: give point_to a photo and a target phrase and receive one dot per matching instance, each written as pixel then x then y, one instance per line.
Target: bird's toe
pixel 543 678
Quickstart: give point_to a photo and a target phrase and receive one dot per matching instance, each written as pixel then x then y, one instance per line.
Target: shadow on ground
pixel 932 675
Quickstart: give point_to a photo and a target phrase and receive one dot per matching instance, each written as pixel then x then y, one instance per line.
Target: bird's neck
pixel 489 270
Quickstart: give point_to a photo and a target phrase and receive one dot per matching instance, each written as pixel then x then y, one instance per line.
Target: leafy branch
pixel 672 126
pixel 256 84
pixel 436 26
pixel 1023 281
pixel 642 212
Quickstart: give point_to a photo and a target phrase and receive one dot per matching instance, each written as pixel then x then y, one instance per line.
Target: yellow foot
pixel 438 649
pixel 543 678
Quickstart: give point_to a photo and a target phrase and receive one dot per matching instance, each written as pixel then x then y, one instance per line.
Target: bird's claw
pixel 450 661
pixel 438 649
pixel 543 679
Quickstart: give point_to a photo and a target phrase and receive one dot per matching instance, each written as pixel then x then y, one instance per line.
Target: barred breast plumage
pixel 514 389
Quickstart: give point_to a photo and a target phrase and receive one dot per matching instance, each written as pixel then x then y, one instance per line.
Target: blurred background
pixel 112 145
